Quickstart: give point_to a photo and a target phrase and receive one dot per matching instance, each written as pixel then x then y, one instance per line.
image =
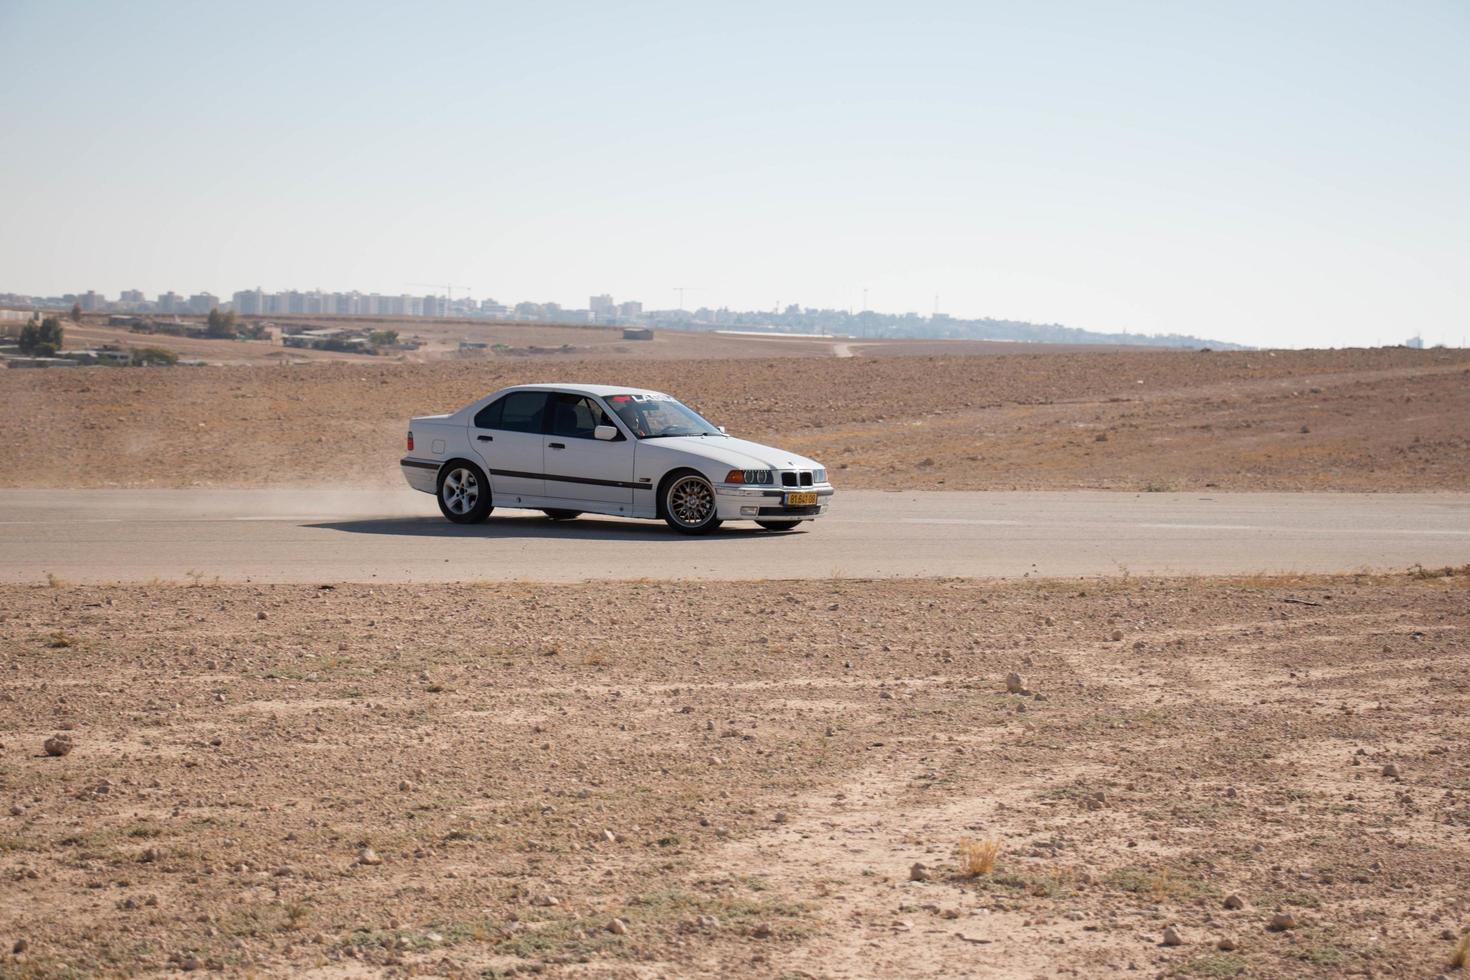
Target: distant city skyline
pixel 1274 174
pixel 601 309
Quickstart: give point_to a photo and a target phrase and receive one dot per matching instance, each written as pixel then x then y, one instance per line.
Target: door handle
pixel 485 438
pixel 556 445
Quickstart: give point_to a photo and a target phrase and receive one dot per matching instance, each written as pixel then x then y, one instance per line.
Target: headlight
pixel 756 477
pixel 819 475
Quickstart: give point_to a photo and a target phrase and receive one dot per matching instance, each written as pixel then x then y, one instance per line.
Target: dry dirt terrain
pixel 1390 420
pixel 773 779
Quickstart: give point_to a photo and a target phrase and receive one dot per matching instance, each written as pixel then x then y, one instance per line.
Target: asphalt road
pixel 397 536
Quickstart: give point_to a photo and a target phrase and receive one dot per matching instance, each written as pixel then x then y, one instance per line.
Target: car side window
pixel 489 416
pixel 519 411
pixel 576 416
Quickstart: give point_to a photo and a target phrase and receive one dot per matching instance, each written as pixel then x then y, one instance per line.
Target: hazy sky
pixel 1287 173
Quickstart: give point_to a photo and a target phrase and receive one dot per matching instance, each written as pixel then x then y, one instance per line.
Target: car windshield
pixel 655 416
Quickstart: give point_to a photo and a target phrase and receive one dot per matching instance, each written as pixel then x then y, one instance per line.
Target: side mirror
pixel 722 430
pixel 607 433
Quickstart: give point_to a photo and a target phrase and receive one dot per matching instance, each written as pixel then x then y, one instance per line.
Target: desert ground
pixel 1361 420
pixel 1259 777
pixel 834 777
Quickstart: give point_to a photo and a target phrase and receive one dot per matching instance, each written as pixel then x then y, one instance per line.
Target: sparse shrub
pixel 1461 958
pixel 977 857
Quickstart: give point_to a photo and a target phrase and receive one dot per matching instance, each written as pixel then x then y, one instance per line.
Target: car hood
pixel 738 454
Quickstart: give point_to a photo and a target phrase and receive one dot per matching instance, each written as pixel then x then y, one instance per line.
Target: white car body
pixel 621 476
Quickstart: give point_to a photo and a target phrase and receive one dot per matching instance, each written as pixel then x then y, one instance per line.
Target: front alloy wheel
pixel 689 505
pixel 464 494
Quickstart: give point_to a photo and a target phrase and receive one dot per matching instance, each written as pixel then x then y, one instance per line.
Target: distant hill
pixel 910 325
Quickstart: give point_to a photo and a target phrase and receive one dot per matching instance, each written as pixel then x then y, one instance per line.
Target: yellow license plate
pixel 801 499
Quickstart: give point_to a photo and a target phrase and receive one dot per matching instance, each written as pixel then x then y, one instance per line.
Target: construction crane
pixel 681 290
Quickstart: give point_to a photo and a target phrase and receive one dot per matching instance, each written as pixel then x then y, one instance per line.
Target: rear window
pixel 519 411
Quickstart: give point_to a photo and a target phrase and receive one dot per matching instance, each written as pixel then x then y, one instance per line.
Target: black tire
pixel 687 502
pixel 463 492
pixel 562 515
pixel 779 525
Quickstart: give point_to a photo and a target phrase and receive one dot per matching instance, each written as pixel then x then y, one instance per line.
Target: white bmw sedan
pixel 569 449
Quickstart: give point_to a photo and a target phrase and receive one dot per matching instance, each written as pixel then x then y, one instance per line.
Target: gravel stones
pixel 1016 684
pixel 1282 921
pixel 368 856
pixel 58 745
pixel 1172 937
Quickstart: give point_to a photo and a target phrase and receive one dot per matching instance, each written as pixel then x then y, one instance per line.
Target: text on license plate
pixel 807 499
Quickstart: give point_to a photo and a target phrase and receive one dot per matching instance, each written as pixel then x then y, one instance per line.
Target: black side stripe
pixel 425 465
pixel 571 479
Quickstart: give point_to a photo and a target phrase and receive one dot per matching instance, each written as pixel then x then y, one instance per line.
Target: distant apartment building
pixel 131 296
pixel 169 302
pixel 91 300
pixel 631 308
pixel 249 302
pixel 202 302
pixel 602 305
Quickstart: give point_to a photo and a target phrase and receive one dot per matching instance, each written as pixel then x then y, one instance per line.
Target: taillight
pixel 410 442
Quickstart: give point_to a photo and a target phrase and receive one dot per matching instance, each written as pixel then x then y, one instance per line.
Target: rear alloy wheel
pixel 689 504
pixel 562 515
pixel 464 494
pixel 779 525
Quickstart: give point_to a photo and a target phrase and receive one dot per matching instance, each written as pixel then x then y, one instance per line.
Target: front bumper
pixel 734 502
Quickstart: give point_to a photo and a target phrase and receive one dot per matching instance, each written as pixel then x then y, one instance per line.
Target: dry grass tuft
pixel 977 857
pixel 1448 571
pixel 297 915
pixel 1461 958
pixel 54 581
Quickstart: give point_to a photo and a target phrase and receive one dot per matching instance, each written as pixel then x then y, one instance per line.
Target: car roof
pixel 581 389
